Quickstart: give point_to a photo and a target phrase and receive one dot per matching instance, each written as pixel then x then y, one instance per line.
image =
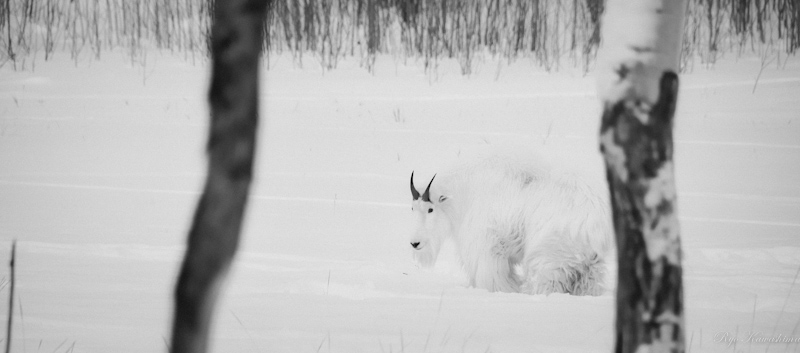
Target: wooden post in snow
pixel 638 86
pixel 236 38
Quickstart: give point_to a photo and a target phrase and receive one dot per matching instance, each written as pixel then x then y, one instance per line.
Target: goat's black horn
pixel 426 196
pixel 414 192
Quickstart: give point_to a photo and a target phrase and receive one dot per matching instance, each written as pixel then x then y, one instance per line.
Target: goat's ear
pixel 442 198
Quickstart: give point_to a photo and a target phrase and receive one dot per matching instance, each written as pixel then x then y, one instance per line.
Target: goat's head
pixel 431 224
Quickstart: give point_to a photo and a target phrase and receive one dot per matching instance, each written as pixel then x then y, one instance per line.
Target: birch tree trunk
pixel 236 39
pixel 638 86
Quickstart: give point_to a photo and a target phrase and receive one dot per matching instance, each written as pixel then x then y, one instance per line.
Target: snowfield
pixel 101 163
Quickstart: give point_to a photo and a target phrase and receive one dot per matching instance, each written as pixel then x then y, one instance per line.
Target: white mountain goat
pixel 517 227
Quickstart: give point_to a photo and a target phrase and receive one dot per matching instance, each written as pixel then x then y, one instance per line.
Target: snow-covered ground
pixel 101 163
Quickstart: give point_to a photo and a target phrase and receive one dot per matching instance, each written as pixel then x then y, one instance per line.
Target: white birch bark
pixel 638 83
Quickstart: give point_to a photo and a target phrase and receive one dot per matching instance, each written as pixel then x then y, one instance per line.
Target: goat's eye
pixel 430 210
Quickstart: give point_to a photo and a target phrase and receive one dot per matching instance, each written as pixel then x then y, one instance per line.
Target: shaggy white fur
pixel 517 227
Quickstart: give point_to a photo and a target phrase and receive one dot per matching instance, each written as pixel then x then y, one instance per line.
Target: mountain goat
pixel 517 227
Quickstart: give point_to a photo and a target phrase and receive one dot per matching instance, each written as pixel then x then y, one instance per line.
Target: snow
pixel 101 163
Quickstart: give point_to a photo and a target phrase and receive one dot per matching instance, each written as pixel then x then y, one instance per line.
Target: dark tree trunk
pixel 214 235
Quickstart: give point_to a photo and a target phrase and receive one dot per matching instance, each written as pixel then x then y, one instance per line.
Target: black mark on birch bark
pixel 636 141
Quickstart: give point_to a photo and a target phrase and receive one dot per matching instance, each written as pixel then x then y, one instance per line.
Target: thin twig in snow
pixel 783 309
pixel 247 331
pixel 59 345
pixel 760 71
pixel 328 286
pixel 22 323
pixel 11 298
pixel 753 321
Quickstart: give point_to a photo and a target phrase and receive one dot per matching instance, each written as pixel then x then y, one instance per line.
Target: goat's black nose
pixel 415 244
